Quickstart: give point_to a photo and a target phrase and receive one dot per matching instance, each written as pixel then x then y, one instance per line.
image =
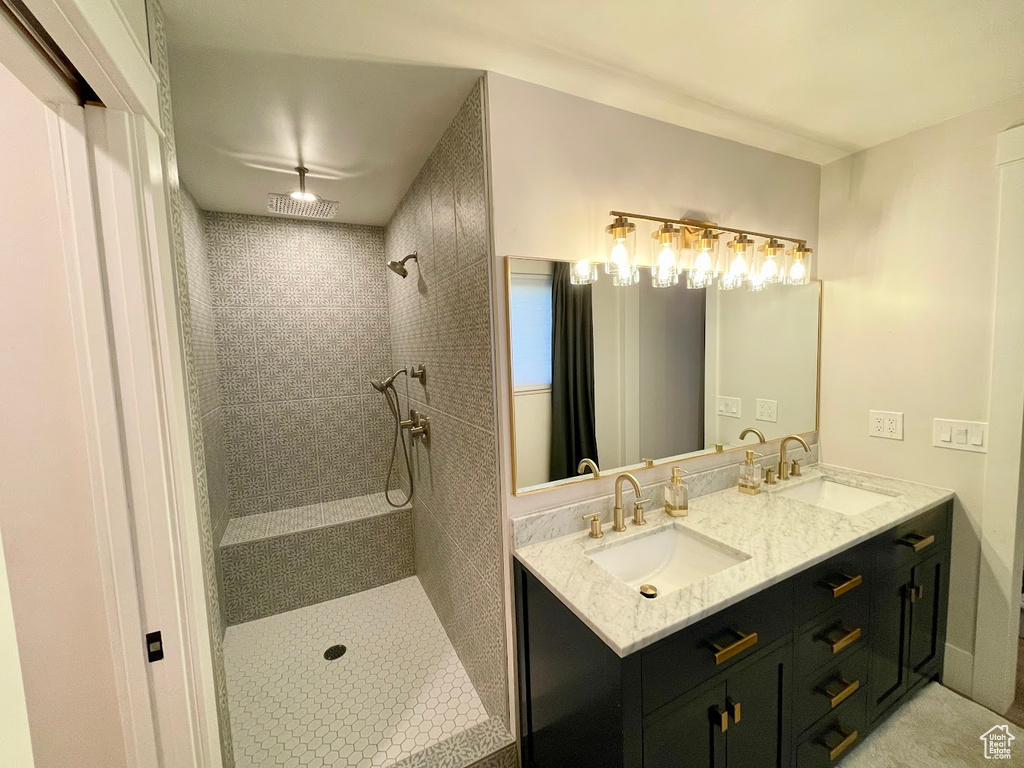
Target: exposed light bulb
pixel 665 268
pixel 797 271
pixel 770 270
pixel 583 273
pixel 619 259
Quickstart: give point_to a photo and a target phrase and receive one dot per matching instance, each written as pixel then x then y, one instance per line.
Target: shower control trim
pixel 418 425
pixel 419 372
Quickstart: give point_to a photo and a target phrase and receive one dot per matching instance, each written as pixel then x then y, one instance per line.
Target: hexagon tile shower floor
pixel 398 689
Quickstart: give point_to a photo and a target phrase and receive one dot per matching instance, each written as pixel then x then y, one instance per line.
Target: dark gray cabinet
pixel 792 677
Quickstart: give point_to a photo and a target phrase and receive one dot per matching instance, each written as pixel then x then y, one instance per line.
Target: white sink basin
pixel 669 559
pixel 828 494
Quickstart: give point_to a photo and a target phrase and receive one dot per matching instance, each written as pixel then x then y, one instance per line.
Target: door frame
pixel 1002 524
pixel 115 223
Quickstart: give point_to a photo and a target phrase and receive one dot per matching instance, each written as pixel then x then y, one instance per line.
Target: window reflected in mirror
pixel 628 375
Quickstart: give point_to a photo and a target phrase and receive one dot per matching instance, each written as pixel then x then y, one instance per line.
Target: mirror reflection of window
pixel 531 332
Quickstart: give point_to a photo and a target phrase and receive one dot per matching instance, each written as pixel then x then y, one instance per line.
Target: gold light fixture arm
pixel 704 225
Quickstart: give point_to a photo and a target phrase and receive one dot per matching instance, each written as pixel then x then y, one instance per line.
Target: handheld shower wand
pixel 387 388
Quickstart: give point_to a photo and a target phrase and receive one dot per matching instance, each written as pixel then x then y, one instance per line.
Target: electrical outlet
pixel 767 410
pixel 729 406
pixel 885 424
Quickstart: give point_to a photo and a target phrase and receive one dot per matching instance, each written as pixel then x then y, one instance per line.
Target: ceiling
pixel 244 120
pixel 810 79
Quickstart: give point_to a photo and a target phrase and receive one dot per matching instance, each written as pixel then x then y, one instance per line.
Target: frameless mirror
pixel 628 376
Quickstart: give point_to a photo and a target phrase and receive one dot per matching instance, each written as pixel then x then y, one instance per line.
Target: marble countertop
pixel 783 536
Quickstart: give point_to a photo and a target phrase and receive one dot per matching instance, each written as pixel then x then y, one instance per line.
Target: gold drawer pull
pixel 846 690
pixel 720 718
pixel 917 542
pixel 841 584
pixel 835 749
pixel 725 652
pixel 849 637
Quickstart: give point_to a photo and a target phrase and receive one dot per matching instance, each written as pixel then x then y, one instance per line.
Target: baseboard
pixel 958 670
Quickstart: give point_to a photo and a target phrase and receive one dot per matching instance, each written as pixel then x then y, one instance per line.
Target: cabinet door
pixel 888 640
pixel 691 734
pixel 928 598
pixel 758 699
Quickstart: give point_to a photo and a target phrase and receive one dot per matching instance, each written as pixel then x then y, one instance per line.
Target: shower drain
pixel 335 652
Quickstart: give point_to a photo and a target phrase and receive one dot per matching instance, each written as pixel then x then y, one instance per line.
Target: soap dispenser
pixel 750 475
pixel 677 495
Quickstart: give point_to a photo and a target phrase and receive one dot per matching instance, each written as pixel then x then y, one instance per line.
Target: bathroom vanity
pixel 810 612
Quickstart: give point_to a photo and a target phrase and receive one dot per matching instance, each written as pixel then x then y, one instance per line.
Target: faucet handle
pixel 638 511
pixel 769 476
pixel 595 525
pixel 794 471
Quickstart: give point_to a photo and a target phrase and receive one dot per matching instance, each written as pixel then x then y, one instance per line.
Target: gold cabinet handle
pixel 720 718
pixel 735 710
pixel 917 542
pixel 840 584
pixel 725 652
pixel 839 690
pixel 836 748
pixel 916 593
pixel 849 637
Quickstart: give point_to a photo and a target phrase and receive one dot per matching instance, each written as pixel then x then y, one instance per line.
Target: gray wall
pixel 441 317
pixel 301 323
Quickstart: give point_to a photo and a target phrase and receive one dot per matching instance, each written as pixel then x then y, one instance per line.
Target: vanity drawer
pixel 677 664
pixel 839 633
pixel 829 689
pixel 916 539
pixel 837 734
pixel 837 581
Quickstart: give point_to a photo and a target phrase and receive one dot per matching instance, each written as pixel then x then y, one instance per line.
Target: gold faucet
pixel 783 466
pixel 588 463
pixel 752 431
pixel 619 523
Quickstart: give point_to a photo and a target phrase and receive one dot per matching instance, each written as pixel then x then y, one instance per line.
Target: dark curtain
pixel 573 419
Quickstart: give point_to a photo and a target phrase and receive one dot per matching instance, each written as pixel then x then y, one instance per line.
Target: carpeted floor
pixel 1016 713
pixel 936 729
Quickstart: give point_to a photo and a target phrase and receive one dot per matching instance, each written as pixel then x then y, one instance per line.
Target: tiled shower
pixel 290 319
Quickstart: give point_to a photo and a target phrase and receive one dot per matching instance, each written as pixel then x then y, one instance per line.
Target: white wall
pixel 560 163
pixel 908 249
pixel 767 347
pixel 46 513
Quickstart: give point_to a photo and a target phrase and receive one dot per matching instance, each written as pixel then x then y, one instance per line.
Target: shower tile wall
pixel 191 277
pixel 204 349
pixel 441 317
pixel 301 326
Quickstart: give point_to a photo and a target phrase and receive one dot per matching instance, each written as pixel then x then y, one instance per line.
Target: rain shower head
pixel 301 203
pixel 398 267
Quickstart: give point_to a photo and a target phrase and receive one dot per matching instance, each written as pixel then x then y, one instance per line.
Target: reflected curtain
pixel 573 415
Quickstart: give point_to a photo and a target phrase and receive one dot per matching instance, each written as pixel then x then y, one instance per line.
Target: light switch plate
pixel 767 410
pixel 960 435
pixel 729 406
pixel 885 424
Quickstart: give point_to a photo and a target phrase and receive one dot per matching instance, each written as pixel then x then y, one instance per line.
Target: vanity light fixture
pixel 665 257
pixel 798 265
pixel 622 264
pixel 704 270
pixel 692 246
pixel 740 249
pixel 583 273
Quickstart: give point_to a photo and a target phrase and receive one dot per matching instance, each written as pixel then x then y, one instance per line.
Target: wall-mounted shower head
pixel 398 267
